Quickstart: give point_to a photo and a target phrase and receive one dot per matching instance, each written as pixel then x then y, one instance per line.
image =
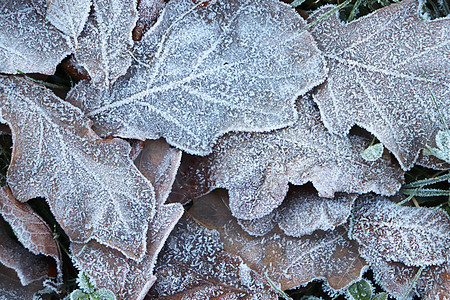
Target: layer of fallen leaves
pixel 262 103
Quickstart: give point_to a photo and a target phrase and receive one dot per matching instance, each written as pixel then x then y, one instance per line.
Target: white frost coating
pixel 442 150
pixel 12 289
pixel 69 16
pixel 93 188
pixel 256 167
pixel 27 41
pixel 203 71
pixel 193 265
pixel 106 40
pixel 411 235
pixel 377 66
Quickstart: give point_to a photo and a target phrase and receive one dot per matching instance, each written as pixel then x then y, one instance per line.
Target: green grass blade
pixel 355 7
pixel 426 192
pixel 413 283
pixel 276 289
pixel 428 181
pixel 326 15
pixel 296 3
pixel 47 84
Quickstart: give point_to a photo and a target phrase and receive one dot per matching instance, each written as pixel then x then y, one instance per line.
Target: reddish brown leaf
pixel 148 11
pixel 287 260
pixel 12 289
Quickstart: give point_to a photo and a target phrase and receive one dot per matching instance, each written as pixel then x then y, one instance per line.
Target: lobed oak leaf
pixel 106 40
pixel 303 212
pixel 382 69
pixel 193 265
pixel 257 167
pixel 202 71
pixel 30 229
pixel 397 278
pixel 112 270
pixel 28 41
pixel 92 187
pixel 286 260
pixel 410 235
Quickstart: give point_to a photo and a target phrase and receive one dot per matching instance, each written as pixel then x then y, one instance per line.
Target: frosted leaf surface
pixel 69 16
pixel 396 278
pixel 442 150
pixel 93 188
pixel 106 40
pixel 29 267
pixel 377 65
pixel 194 265
pixel 12 289
pixel 303 212
pixel 257 167
pixel 202 71
pixel 27 41
pixel 30 229
pixel 148 13
pixel 127 278
pixel 287 260
pixel 415 236
pixel 158 162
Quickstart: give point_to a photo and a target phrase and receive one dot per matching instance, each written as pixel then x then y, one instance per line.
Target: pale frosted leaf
pixel 106 40
pixel 126 278
pixel 29 267
pixel 129 279
pixel 12 289
pixel 91 185
pixel 27 41
pixel 377 66
pixel 257 167
pixel 29 227
pixel 159 162
pixel 396 278
pixel 415 236
pixel 303 212
pixel 288 261
pixel 148 13
pixel 204 70
pixel 373 152
pixel 69 16
pixel 194 265
pixel 442 150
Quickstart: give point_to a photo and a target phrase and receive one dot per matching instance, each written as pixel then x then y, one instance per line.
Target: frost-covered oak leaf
pixel 396 278
pixel 257 167
pixel 193 265
pixel 106 41
pixel 30 229
pixel 303 212
pixel 204 70
pixel 93 188
pixel 109 268
pixel 288 261
pixel 32 43
pixel 415 236
pixel 379 68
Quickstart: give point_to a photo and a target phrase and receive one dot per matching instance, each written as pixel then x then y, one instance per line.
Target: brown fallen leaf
pixel 109 268
pixel 257 167
pixel 396 278
pixel 31 230
pixel 380 67
pixel 303 212
pixel 289 261
pixel 92 187
pixel 193 265
pixel 415 236
pixel 106 40
pixel 29 42
pixel 12 289
pixel 148 11
pixel 201 72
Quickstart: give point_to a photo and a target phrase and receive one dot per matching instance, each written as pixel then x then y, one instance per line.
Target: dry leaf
pixel 379 68
pixel 29 227
pixel 415 236
pixel 289 261
pixel 106 40
pixel 29 267
pixel 257 167
pixel 303 212
pixel 12 289
pixel 202 71
pixel 194 265
pixel 91 185
pixel 148 11
pixel 109 268
pixel 397 278
pixel 27 41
